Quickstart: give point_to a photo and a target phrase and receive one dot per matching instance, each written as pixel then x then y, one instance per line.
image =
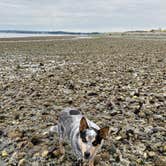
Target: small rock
pixel 164 148
pixel 141 148
pixel 157 146
pixel 138 108
pixel 117 157
pixel 129 132
pixel 140 161
pixel 135 93
pixel 92 94
pixel 103 163
pixel 132 164
pixel 1 132
pixel 105 156
pixel 70 85
pixel 36 154
pixel 29 144
pixel 21 144
pixel 134 97
pixel 92 84
pixel 57 153
pixel 149 129
pixel 22 162
pixel 145 155
pixel 4 153
pixel 16 116
pixel 18 155
pixel 160 161
pixel 158 117
pixel 142 114
pixel 57 108
pixel 99 107
pixel 41 64
pixel 112 149
pixel 2 117
pixel 45 153
pixel 97 160
pixel 51 75
pixel 114 112
pixel 14 134
pixel 70 101
pixel 110 106
pixel 67 91
pixel 118 138
pixel 35 140
pixel 151 154
pixel 46 104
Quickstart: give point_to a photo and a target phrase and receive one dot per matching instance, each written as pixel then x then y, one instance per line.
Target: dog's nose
pixel 87 155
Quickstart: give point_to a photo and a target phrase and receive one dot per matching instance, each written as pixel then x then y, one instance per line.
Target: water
pixel 13 35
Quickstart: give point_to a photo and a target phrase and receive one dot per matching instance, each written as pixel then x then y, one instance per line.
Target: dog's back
pixel 69 121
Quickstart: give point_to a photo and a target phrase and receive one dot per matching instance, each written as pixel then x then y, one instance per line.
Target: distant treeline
pixel 49 32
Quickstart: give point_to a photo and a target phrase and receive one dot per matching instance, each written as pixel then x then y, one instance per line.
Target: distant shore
pixel 49 37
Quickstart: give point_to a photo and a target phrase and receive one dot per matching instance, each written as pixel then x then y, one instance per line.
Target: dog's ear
pixel 83 124
pixel 103 132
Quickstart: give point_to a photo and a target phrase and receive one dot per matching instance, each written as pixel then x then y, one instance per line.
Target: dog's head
pixel 90 139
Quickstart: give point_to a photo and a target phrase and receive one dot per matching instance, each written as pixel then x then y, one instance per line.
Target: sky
pixel 82 15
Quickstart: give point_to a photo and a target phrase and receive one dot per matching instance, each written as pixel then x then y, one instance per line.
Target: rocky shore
pixel 113 81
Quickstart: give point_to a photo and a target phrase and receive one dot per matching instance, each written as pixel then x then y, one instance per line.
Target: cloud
pixel 93 15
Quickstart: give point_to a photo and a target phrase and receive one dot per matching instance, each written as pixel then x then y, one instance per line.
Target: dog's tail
pixel 53 129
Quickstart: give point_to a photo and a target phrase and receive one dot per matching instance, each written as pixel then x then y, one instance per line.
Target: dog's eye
pixel 94 143
pixel 84 140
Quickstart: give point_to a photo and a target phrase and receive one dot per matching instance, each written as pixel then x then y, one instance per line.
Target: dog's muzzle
pixel 87 155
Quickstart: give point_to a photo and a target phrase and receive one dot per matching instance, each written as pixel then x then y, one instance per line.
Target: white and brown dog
pixel 85 137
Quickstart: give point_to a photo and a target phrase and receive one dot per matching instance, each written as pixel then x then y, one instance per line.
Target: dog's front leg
pixel 61 147
pixel 61 138
pixel 62 150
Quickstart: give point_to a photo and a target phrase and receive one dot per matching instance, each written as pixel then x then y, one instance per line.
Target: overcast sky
pixel 82 15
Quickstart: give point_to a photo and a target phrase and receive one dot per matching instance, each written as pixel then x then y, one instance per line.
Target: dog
pixel 85 137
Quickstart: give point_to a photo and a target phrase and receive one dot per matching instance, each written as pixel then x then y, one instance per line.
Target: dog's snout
pixel 87 155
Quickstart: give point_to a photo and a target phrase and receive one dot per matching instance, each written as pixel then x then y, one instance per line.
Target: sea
pixel 13 35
